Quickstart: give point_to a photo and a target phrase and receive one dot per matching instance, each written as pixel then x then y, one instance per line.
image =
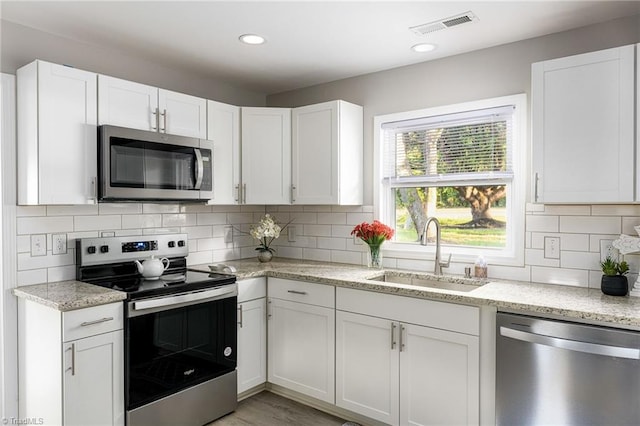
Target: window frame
pixel 513 253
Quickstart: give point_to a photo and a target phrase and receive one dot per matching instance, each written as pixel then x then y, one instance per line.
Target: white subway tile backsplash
pixel 567 210
pixel 26 261
pixel 301 218
pixel 580 260
pixel 61 273
pixel 536 257
pixel 534 208
pixel 316 254
pixel 141 221
pixel 177 219
pixel 197 231
pixel 615 210
pixel 341 231
pixel 573 277
pixel 102 222
pixel 24 211
pixel 34 276
pixel 358 218
pixel 594 240
pixel 574 242
pixel 332 243
pixel 211 218
pixel 23 243
pixel 199 257
pixel 541 223
pixel 44 225
pixel 290 252
pixel 161 208
pixel 352 257
pixel 120 208
pixel 628 224
pixel 88 209
pixel 590 224
pixel 317 230
pixel 352 209
pixel 332 218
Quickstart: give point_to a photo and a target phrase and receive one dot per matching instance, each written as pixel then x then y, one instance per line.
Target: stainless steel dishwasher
pixel 561 373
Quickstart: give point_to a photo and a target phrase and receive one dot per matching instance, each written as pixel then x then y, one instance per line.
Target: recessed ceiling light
pixel 251 39
pixel 423 47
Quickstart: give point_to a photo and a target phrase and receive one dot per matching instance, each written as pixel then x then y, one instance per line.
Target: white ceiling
pixel 307 42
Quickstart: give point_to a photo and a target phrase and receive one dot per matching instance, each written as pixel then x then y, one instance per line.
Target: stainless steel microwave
pixel 139 165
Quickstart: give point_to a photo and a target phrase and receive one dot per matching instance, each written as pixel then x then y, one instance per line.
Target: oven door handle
pixel 199 168
pixel 219 293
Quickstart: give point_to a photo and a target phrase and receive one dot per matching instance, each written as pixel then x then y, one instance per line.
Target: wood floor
pixel 269 409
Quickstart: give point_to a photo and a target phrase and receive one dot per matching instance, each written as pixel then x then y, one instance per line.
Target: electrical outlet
pixel 228 234
pixel 59 245
pixel 607 250
pixel 291 233
pixel 552 247
pixel 38 245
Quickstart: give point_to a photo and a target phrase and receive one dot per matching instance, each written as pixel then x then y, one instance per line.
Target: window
pixel 461 164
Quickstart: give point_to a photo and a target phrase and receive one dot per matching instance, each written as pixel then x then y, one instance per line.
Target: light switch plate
pixel 38 244
pixel 291 233
pixel 552 247
pixel 228 234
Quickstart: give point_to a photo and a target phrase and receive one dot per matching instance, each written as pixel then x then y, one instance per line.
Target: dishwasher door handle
pixel 572 345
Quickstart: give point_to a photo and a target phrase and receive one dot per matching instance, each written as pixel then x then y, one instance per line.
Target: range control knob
pixel 104 249
pixel 91 249
pixel 181 243
pixel 172 244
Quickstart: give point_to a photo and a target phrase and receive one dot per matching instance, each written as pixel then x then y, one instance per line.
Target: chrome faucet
pixel 437 270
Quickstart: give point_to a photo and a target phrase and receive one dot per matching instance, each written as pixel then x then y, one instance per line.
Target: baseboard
pixel 250 392
pixel 323 406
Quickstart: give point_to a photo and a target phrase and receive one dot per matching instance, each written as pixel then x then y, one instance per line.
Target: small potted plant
pixel 614 282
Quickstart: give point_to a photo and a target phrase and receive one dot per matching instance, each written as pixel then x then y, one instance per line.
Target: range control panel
pixel 104 250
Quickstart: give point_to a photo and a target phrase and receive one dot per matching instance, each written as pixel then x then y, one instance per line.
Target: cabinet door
pixel 127 104
pixel 252 344
pixel 314 152
pixel 223 128
pixel 367 366
pixel 182 114
pixel 439 377
pixel 266 155
pixel 67 135
pixel 583 123
pixel 94 380
pixel 301 349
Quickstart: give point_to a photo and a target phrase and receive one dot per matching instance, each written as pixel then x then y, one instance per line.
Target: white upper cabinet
pixel 327 154
pixel 266 155
pixel 223 128
pixel 138 106
pixel 583 128
pixel 57 134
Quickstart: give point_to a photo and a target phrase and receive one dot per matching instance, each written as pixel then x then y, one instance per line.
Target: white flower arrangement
pixel 265 232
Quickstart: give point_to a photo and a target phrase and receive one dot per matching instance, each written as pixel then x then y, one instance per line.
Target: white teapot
pixel 152 268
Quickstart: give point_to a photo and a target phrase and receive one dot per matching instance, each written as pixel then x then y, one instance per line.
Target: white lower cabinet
pixel 401 373
pixel 252 333
pixel 301 326
pixel 71 364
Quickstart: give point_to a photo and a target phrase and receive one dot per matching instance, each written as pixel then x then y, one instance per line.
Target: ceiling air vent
pixel 443 24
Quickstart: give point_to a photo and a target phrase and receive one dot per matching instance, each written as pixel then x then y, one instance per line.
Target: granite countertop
pixel 69 295
pixel 571 303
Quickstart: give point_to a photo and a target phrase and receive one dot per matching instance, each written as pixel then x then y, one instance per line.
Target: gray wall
pixel 492 72
pixel 20 45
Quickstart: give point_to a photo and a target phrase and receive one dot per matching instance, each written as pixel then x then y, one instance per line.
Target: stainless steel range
pixel 180 329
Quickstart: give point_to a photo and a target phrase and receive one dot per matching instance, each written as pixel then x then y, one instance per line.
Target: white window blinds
pixel 442 150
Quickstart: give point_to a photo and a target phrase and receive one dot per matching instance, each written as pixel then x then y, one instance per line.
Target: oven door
pixel 176 342
pixel 142 165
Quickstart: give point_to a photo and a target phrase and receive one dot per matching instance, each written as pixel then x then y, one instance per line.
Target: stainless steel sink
pixel 442 283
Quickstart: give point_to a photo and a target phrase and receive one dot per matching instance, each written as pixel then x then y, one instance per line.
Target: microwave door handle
pixel 199 168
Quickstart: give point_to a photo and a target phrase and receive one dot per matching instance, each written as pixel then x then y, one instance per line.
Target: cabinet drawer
pixel 304 292
pixel 252 288
pixel 429 313
pixel 91 321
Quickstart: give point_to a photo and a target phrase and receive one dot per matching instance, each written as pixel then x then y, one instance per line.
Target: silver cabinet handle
pixel 238 196
pixel 240 311
pixel 297 292
pixel 94 191
pixel 72 348
pixel 402 329
pixel 155 119
pixel 268 308
pixel 535 186
pixel 393 334
pixel 199 168
pixel 244 194
pixel 164 119
pixel 101 320
pixel 293 193
pixel 571 345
